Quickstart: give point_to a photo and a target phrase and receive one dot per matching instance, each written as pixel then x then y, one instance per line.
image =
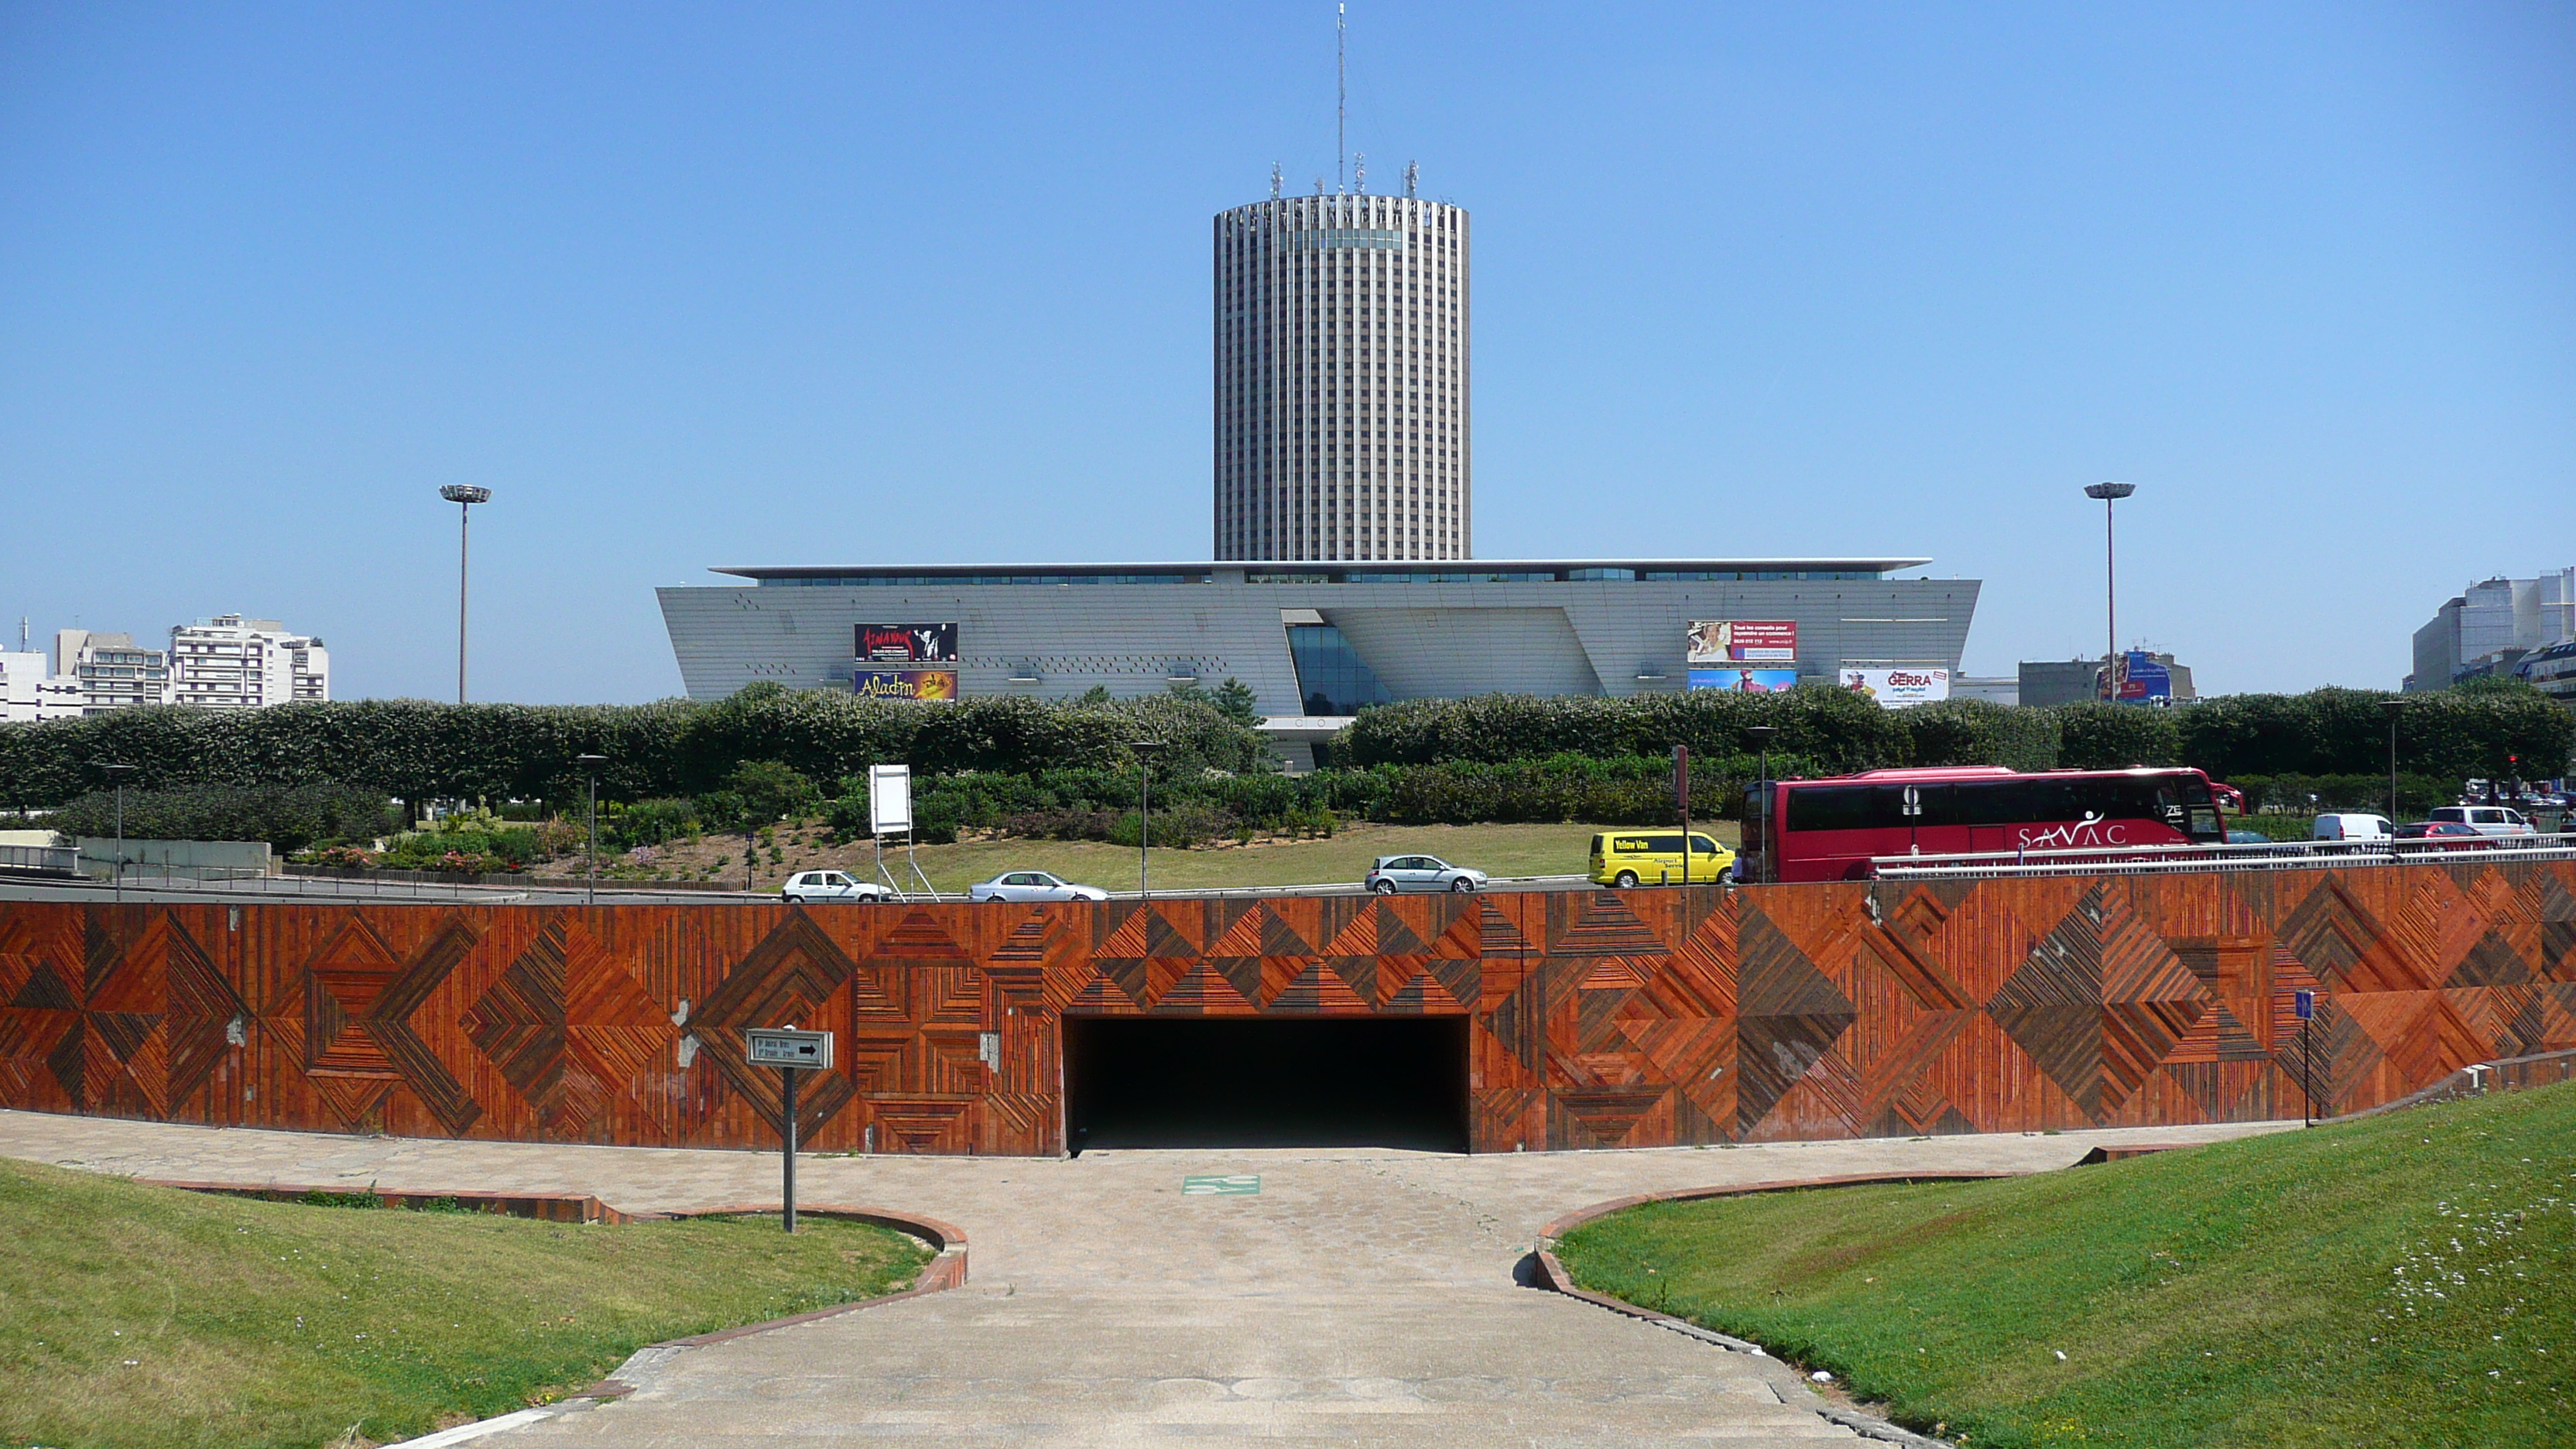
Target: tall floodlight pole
pixel 1144 812
pixel 464 496
pixel 117 774
pixel 1761 821
pixel 590 769
pixel 2110 493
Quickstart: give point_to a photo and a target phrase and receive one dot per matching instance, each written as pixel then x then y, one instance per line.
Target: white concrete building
pixel 29 692
pixel 231 662
pixel 111 670
pixel 1342 380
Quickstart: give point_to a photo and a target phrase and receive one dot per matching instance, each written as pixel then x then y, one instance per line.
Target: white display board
pixel 890 799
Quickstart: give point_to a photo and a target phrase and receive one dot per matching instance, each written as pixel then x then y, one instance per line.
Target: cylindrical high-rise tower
pixel 1341 380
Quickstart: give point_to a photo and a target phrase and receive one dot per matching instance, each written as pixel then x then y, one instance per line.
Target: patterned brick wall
pixel 1599 1018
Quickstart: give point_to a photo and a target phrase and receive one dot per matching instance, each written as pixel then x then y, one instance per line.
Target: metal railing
pixel 53 860
pixel 2180 859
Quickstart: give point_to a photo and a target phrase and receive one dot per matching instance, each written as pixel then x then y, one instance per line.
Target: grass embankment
pixel 2398 1281
pixel 1501 850
pixel 142 1317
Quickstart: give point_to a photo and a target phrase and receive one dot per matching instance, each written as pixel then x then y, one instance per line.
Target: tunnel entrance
pixel 1266 1082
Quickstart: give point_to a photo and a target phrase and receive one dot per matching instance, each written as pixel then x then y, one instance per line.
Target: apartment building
pixel 111 670
pixel 232 662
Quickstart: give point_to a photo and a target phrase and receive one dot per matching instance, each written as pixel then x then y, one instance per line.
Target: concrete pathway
pixel 1362 1297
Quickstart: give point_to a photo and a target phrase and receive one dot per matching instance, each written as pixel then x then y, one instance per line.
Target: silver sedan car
pixel 1394 873
pixel 1032 885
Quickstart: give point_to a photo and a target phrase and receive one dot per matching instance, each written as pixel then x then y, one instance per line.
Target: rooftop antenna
pixel 1412 178
pixel 1359 173
pixel 1274 181
pixel 1341 93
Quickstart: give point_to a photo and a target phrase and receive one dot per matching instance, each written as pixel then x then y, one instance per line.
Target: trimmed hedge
pixel 417 750
pixel 289 819
pixel 2452 735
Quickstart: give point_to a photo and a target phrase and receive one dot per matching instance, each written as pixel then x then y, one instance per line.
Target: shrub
pixel 289 819
pixel 770 790
pixel 650 822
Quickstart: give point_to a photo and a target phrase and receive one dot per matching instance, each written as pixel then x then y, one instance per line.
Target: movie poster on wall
pixel 923 684
pixel 1741 641
pixel 1745 681
pixel 1898 687
pixel 907 643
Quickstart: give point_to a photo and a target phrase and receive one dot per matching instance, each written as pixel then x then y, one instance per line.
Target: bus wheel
pixel 1627 880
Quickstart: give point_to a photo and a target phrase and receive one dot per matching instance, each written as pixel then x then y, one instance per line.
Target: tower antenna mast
pixel 1341 93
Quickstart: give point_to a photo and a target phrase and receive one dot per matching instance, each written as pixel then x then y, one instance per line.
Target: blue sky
pixel 690 286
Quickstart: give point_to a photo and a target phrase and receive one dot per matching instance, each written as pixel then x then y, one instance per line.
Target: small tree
pixel 770 790
pixel 1233 699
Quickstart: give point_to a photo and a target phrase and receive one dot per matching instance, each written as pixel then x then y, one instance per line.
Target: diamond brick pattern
pixel 1598 1019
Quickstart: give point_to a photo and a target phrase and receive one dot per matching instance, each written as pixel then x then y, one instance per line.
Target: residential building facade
pixel 113 671
pixel 1342 380
pixel 232 662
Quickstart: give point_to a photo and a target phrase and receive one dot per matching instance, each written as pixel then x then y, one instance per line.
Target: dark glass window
pixel 1331 676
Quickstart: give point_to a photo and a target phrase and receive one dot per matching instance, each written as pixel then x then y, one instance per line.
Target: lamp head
pixel 2108 491
pixel 590 762
pixel 465 493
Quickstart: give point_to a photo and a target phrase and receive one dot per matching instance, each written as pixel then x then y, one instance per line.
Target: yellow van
pixel 1627 858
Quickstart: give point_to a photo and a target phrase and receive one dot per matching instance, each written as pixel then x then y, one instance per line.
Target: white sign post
pixel 890 813
pixel 791 1051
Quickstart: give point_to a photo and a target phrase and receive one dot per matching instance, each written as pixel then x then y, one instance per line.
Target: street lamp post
pixel 1762 742
pixel 2110 493
pixel 464 496
pixel 590 771
pixel 1144 812
pixel 116 774
pixel 2392 708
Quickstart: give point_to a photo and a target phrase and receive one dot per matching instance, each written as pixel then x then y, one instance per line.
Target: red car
pixel 2442 834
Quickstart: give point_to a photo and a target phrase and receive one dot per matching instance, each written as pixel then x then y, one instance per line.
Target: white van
pixel 2355 827
pixel 2484 819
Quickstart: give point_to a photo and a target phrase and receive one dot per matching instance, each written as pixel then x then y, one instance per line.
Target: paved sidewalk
pixel 1363 1297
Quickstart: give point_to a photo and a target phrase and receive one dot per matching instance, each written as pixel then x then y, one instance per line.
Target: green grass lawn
pixel 141 1317
pixel 1501 850
pixel 2406 1280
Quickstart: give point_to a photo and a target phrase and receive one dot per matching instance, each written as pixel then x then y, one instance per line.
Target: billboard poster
pixel 2143 680
pixel 1741 641
pixel 1748 681
pixel 907 643
pixel 1898 687
pixel 939 684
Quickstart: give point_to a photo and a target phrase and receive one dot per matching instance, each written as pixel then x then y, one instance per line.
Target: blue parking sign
pixel 2306 1003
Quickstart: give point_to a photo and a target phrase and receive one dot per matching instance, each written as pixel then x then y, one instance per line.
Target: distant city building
pixel 29 692
pixel 227 662
pixel 2552 671
pixel 113 671
pixel 230 662
pixel 2491 625
pixel 2073 681
pixel 1993 689
pixel 1342 380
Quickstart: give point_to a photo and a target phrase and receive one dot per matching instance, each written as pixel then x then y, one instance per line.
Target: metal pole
pixel 2392 765
pixel 2111 605
pixel 464 513
pixel 788 1080
pixel 590 895
pixel 119 863
pixel 2307 1076
pixel 1681 794
pixel 1144 828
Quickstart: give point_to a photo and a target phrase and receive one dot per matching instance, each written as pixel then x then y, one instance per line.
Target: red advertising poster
pixel 1742 641
pixel 908 643
pixel 936 684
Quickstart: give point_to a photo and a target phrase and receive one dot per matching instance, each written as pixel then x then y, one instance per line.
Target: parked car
pixel 1631 858
pixel 2442 834
pixel 1032 885
pixel 2484 819
pixel 1394 873
pixel 829 885
pixel 2352 827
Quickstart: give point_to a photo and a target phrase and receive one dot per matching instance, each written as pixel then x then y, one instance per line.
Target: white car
pixel 2353 826
pixel 1032 885
pixel 2484 819
pixel 828 885
pixel 1394 873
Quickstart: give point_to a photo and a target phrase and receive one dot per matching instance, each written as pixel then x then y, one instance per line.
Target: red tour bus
pixel 1829 829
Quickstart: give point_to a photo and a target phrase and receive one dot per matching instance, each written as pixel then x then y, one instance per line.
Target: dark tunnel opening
pixel 1266 1082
